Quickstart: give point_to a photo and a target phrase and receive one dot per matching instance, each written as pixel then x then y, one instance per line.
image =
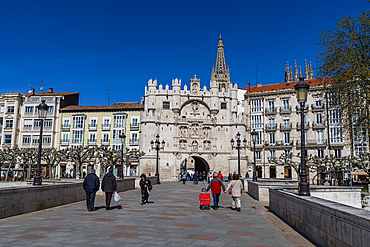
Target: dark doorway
pixel 259 171
pixel 287 172
pixel 272 172
pixel 200 165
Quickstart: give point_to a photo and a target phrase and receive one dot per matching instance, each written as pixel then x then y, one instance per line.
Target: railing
pixel 271 111
pixel 65 127
pixel 257 109
pixel 285 110
pixel 309 142
pixel 306 126
pixel 93 127
pixel 278 144
pixel 105 141
pixel 64 141
pixel 133 126
pixel 319 125
pixel 105 126
pixel 270 128
pixel 134 142
pixel 298 109
pixel 92 141
pixel 318 108
pixel 256 125
pixel 285 127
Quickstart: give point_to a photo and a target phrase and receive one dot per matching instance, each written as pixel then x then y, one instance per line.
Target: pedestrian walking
pixel 219 175
pixel 179 177
pixel 215 186
pixel 184 178
pixel 236 188
pixel 229 177
pixel 109 186
pixel 91 186
pixel 195 177
pixel 146 187
pixel 210 176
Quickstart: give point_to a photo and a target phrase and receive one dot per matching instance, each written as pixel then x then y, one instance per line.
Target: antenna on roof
pixel 108 93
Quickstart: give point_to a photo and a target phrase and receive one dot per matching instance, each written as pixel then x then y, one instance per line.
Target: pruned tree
pixel 80 156
pixel 362 162
pixel 52 157
pixel 12 156
pixel 28 157
pixel 344 60
pixel 111 157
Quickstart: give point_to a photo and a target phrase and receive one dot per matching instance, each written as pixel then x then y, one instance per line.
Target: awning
pixel 358 173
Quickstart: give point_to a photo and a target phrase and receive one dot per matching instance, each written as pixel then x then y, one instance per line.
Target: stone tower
pixel 221 73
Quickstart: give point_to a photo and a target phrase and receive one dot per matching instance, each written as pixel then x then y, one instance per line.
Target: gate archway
pixel 195 163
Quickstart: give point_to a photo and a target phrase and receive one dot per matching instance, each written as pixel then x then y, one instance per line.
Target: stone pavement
pixel 172 219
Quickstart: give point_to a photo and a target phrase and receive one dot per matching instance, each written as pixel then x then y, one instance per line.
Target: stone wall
pixel 260 189
pixel 20 200
pixel 325 222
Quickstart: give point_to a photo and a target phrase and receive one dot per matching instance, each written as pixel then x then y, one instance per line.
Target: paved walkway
pixel 173 219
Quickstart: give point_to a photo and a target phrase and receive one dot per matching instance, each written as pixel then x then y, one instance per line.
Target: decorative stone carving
pixel 179 156
pixel 194 146
pixel 205 132
pixel 183 144
pixel 207 145
pixel 183 131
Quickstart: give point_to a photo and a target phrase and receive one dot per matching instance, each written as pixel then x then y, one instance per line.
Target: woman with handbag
pixel 146 187
pixel 234 189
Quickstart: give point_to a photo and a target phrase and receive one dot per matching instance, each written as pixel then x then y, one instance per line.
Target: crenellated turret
pixel 152 88
pixel 176 88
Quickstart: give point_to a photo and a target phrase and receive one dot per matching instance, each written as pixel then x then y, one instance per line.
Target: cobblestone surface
pixel 172 218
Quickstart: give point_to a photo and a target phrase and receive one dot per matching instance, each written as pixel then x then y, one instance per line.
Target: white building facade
pixel 194 122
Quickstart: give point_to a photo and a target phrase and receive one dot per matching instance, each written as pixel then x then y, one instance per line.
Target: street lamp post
pixel 123 142
pixel 302 91
pixel 238 147
pixel 42 111
pixel 156 145
pixel 254 138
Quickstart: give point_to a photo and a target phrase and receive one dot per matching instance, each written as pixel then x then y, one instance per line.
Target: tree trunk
pixel 29 171
pixel 7 172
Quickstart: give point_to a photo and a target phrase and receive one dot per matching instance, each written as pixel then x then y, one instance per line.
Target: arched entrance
pixel 194 164
pixel 272 171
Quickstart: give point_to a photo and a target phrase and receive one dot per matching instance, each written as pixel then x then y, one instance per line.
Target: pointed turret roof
pixel 220 72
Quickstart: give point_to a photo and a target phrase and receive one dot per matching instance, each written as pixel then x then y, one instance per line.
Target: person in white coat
pixel 236 188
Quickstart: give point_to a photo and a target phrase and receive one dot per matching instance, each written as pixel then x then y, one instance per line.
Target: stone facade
pixel 194 122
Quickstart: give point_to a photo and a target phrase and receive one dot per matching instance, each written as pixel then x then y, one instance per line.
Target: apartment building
pixel 273 111
pixel 100 126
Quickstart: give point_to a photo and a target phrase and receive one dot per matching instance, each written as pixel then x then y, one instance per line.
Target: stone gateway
pixel 196 124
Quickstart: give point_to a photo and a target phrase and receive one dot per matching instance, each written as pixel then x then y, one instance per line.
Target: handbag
pixel 117 198
pixel 231 190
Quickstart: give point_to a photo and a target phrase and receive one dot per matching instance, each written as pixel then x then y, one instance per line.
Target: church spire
pixel 220 72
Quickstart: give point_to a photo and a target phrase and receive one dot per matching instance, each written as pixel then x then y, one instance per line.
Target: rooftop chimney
pixel 50 89
pixel 248 86
pixel 32 91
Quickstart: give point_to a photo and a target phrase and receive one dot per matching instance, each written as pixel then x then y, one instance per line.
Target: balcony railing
pixel 271 111
pixel 318 108
pixel 92 141
pixel 134 126
pixel 134 142
pixel 64 141
pixel 93 127
pixel 320 142
pixel 285 127
pixel 319 125
pixel 298 109
pixel 285 110
pixel 65 127
pixel 105 141
pixel 105 126
pixel 270 128
pixel 306 126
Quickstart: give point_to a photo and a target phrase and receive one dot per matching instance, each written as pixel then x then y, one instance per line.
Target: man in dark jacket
pixel 109 186
pixel 91 186
pixel 215 186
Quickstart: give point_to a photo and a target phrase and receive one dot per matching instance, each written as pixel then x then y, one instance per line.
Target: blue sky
pixel 85 46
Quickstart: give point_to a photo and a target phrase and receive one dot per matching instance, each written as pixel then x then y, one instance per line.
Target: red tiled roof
pixel 50 94
pixel 284 86
pixel 117 106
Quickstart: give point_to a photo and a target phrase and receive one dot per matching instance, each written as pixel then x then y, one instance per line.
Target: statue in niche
pixel 205 132
pixel 183 131
pixel 183 145
pixel 207 145
pixel 194 146
pixel 194 129
pixel 194 88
